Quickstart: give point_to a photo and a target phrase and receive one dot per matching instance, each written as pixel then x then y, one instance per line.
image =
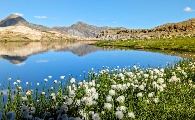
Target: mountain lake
pixel 33 62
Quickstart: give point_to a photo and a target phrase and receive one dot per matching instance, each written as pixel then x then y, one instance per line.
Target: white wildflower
pixel 160 88
pixel 89 101
pixel 80 83
pixel 72 80
pixel 112 92
pixel 93 90
pixel 55 81
pixel 18 81
pixel 95 96
pixel 45 80
pixel 160 80
pixel 108 106
pixel 119 114
pixel 62 77
pixel 131 115
pixel 109 98
pixel 141 87
pixel 24 98
pixel 78 102
pixel 69 101
pixel 50 77
pixel 119 87
pixel 135 68
pixel 98 85
pixel 121 99
pixel 174 79
pixel 151 94
pixel 96 116
pixel 71 93
pixel 156 100
pixel 93 82
pixel 90 83
pixel 140 95
pixel 52 94
pixel 113 86
pixel 15 83
pixel 121 108
pixel 29 92
pixel 128 84
pixel 146 75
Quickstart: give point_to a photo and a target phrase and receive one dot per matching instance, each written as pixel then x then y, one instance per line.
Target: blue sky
pixel 113 13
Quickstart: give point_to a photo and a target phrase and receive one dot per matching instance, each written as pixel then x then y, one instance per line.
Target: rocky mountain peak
pixel 13 16
pixel 12 20
pixel 80 22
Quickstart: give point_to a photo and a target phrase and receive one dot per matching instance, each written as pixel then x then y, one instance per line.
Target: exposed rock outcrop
pixel 84 31
pixel 16 20
pixel 14 27
pixel 78 30
pixel 185 28
pixel 81 29
pixel 21 33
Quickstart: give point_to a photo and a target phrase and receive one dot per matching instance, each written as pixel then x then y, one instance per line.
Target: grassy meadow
pixel 186 44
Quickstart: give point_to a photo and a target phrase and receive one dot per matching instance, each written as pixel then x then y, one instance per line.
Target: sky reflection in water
pixel 67 61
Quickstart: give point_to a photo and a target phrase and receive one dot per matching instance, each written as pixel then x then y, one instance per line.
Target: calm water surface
pixel 33 62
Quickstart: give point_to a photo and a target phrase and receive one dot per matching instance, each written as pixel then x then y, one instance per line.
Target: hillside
pixel 81 29
pixel 13 33
pixel 15 27
pixel 78 30
pixel 16 20
pixel 185 28
pixel 11 29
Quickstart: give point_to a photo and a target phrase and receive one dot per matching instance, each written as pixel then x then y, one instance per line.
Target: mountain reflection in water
pixel 18 52
pixel 32 62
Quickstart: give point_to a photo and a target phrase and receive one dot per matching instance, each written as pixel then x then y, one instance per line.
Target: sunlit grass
pixel 119 93
pixel 175 44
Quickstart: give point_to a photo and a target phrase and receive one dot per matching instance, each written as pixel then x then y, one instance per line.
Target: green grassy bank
pixel 186 44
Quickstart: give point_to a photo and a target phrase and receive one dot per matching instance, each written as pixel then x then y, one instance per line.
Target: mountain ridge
pixel 79 29
pixel 82 30
pixel 169 30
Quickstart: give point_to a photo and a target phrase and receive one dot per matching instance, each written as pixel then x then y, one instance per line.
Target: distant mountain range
pixel 80 30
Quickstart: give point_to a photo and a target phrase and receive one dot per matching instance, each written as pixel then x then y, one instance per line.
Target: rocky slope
pixel 81 29
pixel 85 31
pixel 16 20
pixel 15 27
pixel 185 28
pixel 21 33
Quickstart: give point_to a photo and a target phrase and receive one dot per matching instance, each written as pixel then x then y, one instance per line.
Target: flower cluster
pixel 125 93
